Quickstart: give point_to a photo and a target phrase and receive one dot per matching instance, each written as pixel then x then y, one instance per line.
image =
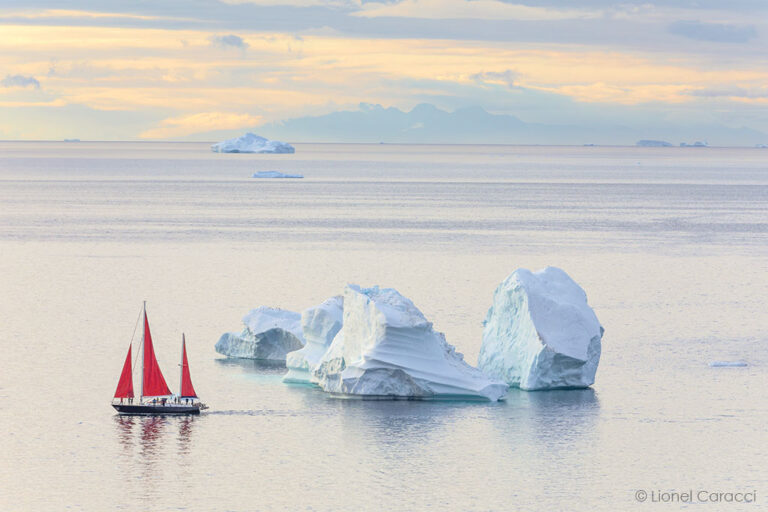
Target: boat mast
pixel 181 367
pixel 143 333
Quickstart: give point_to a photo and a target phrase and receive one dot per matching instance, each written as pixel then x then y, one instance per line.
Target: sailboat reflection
pixel 124 426
pixel 151 433
pixel 185 433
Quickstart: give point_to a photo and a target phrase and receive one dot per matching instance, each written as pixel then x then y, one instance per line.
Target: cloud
pixel 20 81
pixel 70 13
pixel 474 9
pixel 58 102
pixel 715 32
pixel 730 92
pixel 296 3
pixel 506 77
pixel 198 123
pixel 229 40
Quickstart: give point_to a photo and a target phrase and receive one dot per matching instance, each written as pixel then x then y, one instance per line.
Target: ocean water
pixel 671 245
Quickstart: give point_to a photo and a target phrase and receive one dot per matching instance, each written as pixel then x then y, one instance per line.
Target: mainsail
pixel 153 383
pixel 125 384
pixel 187 390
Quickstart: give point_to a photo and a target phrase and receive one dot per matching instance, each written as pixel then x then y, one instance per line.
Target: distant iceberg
pixel 540 333
pixel 274 174
pixel 386 348
pixel 697 144
pixel 319 326
pixel 727 364
pixel 252 143
pixel 269 334
pixel 645 143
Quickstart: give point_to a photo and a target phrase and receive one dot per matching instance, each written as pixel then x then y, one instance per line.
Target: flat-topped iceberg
pixel 252 143
pixel 269 334
pixel 540 333
pixel 274 174
pixel 727 364
pixel 319 325
pixel 646 143
pixel 386 348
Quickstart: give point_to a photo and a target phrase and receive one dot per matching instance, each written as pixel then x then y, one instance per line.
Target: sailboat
pixel 155 397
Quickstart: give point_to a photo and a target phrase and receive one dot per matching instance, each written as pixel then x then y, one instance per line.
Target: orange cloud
pixel 199 123
pixel 281 75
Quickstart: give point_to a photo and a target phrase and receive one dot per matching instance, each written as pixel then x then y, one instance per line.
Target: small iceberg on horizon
pixel 274 174
pixel 269 334
pixel 727 364
pixel 649 143
pixel 252 143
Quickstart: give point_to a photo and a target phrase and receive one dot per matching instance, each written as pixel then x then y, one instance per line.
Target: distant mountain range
pixel 473 125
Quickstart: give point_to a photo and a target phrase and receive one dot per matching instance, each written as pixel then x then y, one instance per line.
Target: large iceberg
pixel 387 349
pixel 269 334
pixel 252 143
pixel 540 333
pixel 319 325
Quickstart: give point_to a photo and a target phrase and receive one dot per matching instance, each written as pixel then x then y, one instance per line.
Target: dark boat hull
pixel 156 410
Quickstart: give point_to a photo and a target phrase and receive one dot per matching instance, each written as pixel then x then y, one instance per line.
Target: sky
pixel 199 69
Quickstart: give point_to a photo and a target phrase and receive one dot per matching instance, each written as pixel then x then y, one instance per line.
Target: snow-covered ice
pixel 319 325
pixel 386 348
pixel 540 333
pixel 274 174
pixel 727 364
pixel 252 143
pixel 269 334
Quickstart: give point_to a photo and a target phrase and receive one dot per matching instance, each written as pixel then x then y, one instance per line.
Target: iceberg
pixel 269 334
pixel 645 143
pixel 540 333
pixel 727 364
pixel 252 143
pixel 274 174
pixel 319 325
pixel 386 348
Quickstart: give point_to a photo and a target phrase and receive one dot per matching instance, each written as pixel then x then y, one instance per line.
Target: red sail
pixel 153 383
pixel 125 384
pixel 187 391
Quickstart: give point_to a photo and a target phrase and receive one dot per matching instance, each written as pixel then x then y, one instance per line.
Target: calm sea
pixel 671 245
